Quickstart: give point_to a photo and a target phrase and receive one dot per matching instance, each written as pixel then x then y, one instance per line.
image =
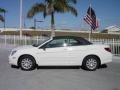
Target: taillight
pixel 108 49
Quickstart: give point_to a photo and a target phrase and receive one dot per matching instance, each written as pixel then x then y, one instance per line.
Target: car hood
pixel 23 47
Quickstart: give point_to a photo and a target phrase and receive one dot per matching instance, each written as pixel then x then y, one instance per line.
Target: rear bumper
pixel 106 59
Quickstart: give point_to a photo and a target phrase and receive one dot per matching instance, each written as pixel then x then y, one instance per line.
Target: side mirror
pixel 44 48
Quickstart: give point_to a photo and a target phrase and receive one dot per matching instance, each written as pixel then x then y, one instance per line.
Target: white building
pixel 112 30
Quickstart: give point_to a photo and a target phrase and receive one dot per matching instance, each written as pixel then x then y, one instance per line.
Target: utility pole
pixel 21 15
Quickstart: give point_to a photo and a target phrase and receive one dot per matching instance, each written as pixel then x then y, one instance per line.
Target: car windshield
pixel 40 42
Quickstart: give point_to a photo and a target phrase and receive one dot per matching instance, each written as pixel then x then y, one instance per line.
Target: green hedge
pixel 48 33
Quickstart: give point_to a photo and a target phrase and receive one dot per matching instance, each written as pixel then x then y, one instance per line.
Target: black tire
pixel 90 63
pixel 27 63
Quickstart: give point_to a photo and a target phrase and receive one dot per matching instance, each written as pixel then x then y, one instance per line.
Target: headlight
pixel 13 52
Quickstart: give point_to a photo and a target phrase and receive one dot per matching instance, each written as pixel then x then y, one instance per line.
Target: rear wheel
pixel 27 63
pixel 90 63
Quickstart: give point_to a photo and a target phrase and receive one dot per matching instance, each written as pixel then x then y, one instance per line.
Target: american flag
pixel 91 19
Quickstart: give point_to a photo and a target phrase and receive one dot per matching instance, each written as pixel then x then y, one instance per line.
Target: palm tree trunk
pixel 52 25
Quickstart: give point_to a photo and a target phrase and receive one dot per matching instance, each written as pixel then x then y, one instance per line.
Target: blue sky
pixel 107 12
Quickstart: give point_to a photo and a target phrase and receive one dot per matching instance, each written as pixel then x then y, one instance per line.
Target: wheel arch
pixel 98 58
pixel 23 56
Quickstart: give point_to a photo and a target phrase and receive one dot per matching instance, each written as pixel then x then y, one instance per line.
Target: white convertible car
pixel 61 51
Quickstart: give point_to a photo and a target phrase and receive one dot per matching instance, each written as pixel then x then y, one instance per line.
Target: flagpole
pixel 90 25
pixel 89 34
pixel 90 16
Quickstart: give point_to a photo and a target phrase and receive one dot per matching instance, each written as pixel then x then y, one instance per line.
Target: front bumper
pixel 13 60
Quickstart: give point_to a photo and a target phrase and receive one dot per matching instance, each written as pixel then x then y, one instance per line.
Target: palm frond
pixel 2 10
pixel 36 9
pixel 2 18
pixel 65 7
pixel 71 1
pixel 72 10
pixel 60 7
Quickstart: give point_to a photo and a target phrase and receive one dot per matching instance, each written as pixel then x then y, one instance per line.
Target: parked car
pixel 61 51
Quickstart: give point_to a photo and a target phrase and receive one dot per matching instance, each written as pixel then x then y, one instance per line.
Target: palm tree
pixel 50 7
pixel 2 18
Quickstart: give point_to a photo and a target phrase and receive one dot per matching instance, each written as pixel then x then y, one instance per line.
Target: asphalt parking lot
pixel 106 78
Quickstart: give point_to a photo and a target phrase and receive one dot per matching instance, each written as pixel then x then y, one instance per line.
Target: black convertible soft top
pixel 80 39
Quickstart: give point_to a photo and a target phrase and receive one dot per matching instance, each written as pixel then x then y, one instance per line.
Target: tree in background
pixel 2 18
pixel 2 15
pixel 50 7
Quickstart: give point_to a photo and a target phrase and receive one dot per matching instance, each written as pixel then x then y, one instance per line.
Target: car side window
pixel 84 42
pixel 57 43
pixel 73 42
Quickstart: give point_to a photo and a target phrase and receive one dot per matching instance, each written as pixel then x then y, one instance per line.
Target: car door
pixel 76 51
pixel 54 53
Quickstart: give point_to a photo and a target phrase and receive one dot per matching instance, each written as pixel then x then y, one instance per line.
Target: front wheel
pixel 90 63
pixel 27 63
